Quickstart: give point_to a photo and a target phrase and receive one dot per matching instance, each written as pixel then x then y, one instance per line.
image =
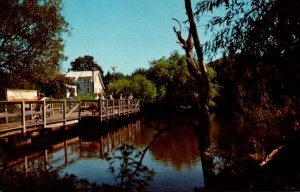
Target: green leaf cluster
pixel 31 42
pixel 139 86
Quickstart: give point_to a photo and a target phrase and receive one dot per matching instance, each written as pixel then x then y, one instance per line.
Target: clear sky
pixel 126 34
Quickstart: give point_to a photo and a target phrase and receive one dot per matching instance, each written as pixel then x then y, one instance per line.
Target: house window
pixel 88 90
pixel 78 87
pixel 88 80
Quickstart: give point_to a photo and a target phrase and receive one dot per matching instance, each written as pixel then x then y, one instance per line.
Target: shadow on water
pixel 246 159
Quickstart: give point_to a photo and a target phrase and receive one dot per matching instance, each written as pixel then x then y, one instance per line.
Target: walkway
pixel 24 116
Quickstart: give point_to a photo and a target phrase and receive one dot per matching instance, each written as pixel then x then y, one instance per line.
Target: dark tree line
pixel 260 42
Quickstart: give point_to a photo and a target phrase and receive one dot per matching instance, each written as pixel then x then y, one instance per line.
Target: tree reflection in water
pixel 125 163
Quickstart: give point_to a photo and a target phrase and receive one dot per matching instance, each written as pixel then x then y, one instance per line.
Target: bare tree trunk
pixel 200 73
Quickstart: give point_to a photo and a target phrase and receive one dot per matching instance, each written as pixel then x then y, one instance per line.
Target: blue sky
pixel 126 34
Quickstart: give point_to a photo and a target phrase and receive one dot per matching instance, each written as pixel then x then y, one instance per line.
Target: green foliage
pixel 121 86
pixel 56 88
pixel 86 63
pixel 255 28
pixel 110 77
pixel 143 88
pixel 260 44
pixel 138 85
pixel 175 85
pixel 140 71
pixel 31 40
pixel 85 96
pixel 214 87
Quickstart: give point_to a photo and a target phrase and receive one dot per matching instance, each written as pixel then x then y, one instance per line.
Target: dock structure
pixel 23 116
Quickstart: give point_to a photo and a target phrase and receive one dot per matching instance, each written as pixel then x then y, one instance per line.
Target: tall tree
pixel 260 41
pixel 31 42
pixel 199 71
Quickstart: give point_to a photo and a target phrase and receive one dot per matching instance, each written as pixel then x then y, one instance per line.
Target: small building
pixel 86 82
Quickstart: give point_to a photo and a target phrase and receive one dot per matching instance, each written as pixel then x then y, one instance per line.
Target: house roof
pixel 78 74
pixel 84 74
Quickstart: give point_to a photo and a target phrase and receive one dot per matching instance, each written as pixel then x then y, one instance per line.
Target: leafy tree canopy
pixel 86 63
pixel 31 42
pixel 31 37
pixel 261 42
pixel 138 85
pixel 174 83
pixel 254 27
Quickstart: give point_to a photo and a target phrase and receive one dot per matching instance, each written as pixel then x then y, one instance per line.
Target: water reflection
pixel 177 147
pixel 125 163
pixel 90 154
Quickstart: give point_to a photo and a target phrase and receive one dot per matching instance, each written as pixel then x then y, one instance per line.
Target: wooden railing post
pixel 6 114
pixel 44 114
pixel 23 117
pixel 65 112
pixel 119 107
pixel 100 108
pixel 30 109
pixel 113 108
pixel 79 110
pixel 107 111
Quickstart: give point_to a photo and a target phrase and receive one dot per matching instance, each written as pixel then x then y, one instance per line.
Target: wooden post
pixel 51 109
pixel 107 111
pixel 79 110
pixel 65 112
pixel 23 117
pixel 101 147
pixel 46 160
pixel 6 114
pixel 113 108
pixel 30 109
pixel 25 166
pixel 100 108
pixel 119 107
pixel 44 114
pixel 66 151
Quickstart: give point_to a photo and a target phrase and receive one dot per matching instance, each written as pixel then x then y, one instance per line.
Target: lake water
pixel 172 155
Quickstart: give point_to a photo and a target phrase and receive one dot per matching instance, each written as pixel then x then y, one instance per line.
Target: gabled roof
pixel 84 74
pixel 80 74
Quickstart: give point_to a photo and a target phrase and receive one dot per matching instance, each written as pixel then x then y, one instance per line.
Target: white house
pixel 86 82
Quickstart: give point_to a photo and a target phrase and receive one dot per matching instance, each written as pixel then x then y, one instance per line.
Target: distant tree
pixel 143 88
pixel 56 88
pixel 109 77
pixel 175 85
pixel 138 85
pixel 120 86
pixel 140 71
pixel 86 63
pixel 31 41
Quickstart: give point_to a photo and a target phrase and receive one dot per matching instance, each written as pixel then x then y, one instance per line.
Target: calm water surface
pixel 173 155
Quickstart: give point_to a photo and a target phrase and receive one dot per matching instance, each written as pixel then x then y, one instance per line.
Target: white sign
pixel 17 94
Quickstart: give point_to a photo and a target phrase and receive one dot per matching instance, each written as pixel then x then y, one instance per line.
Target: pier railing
pixel 27 115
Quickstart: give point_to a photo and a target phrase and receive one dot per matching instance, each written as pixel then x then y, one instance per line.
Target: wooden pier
pixel 24 116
